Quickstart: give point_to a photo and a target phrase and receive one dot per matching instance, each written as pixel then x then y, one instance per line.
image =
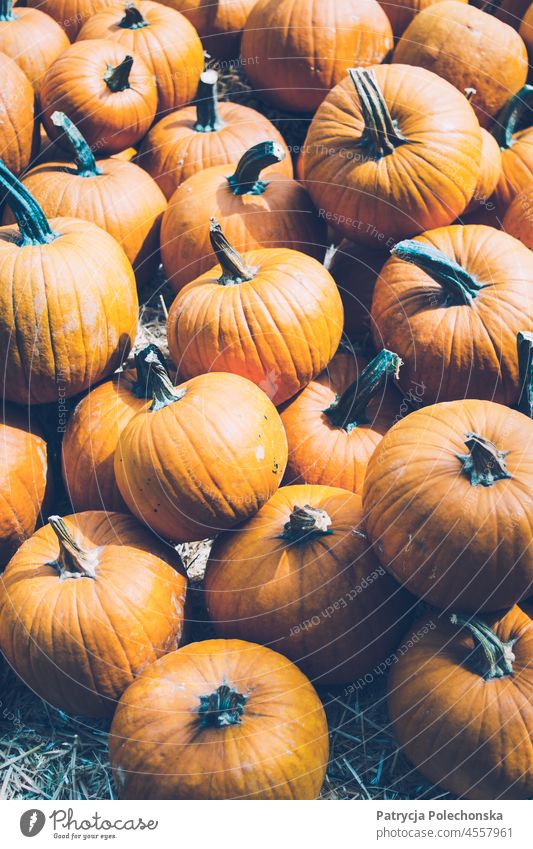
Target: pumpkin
pixel 334 425
pixel 526 30
pixel 70 14
pixel 444 37
pixel 115 194
pixel 255 213
pixel 68 303
pixel 19 137
pixel 220 719
pixel 518 220
pixel 300 577
pixel 450 304
pixel 198 137
pixel 379 185
pixel 525 366
pixel 31 38
pixel 24 476
pixel 110 96
pixel 92 432
pixel 490 169
pixel 295 51
pixel 516 148
pixel 460 704
pixel 164 39
pixel 203 457
pixel 401 12
pixel 448 505
pixel 355 269
pixel 272 315
pixel 219 24
pixel 85 605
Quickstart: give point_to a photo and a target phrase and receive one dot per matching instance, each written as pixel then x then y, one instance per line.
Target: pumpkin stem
pixel 73 561
pixel 511 116
pixel 381 135
pixel 155 379
pixel 234 268
pixel 83 155
pixel 208 119
pixel 6 11
pixel 460 287
pixel 492 657
pixel 223 707
pixel 525 369
pixel 485 464
pixel 33 225
pixel 117 79
pixel 245 180
pixel 133 18
pixel 143 363
pixel 305 523
pixel 351 408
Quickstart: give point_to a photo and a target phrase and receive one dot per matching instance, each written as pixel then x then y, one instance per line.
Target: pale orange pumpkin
pixel 31 38
pixel 19 135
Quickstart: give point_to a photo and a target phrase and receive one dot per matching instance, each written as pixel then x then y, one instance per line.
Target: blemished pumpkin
pixel 401 12
pixel 334 425
pixel 115 194
pixel 390 171
pixel 448 507
pixel 219 24
pixel 253 212
pixel 163 38
pixel 460 704
pixel 203 457
pixel 86 604
pixel 68 302
pixel 92 433
pixel 19 136
pixel 220 719
pixel 516 147
pixel 31 38
pixel 450 304
pixel 210 133
pixel 469 48
pixel 24 479
pixel 300 576
pixel 295 51
pixel 70 14
pixel 355 269
pixel 271 315
pixel 110 95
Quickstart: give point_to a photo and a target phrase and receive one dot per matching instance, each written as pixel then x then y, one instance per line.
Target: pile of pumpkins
pixel 356 434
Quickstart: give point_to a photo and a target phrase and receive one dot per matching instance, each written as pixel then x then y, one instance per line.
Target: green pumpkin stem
pixel 33 225
pixel 485 463
pixel 511 116
pixel 117 79
pixel 142 388
pixel 83 155
pixel 460 287
pixel 234 268
pixel 381 135
pixel 6 11
pixel 305 523
pixel 491 658
pixel 72 561
pixel 221 708
pixel 245 180
pixel 351 408
pixel 525 370
pixel 133 18
pixel 153 376
pixel 208 119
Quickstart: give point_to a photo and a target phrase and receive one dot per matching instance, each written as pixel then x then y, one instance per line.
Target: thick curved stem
pixel 351 408
pixel 32 222
pixel 491 658
pixel 221 708
pixel 142 387
pixel 6 11
pixel 207 118
pixel 381 135
pixel 155 379
pixel 305 523
pixel 117 79
pixel 234 268
pixel 485 464
pixel 525 370
pixel 133 18
pixel 83 155
pixel 512 115
pixel 245 180
pixel 460 286
pixel 73 561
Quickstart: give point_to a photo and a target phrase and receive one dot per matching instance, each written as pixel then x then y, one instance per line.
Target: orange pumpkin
pixel 115 194
pixel 518 220
pixel 355 269
pixel 490 169
pixel 334 425
pixel 295 51
pixel 219 24
pixel 271 315
pixel 32 39
pixel 110 96
pixel 85 605
pixel 401 12
pixel 516 148
pixel 68 302
pixel 198 137
pixel 300 575
pixel 70 14
pixel 19 137
pixel 448 506
pixel 203 457
pixel 255 213
pixel 164 39
pixel 390 171
pixel 220 719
